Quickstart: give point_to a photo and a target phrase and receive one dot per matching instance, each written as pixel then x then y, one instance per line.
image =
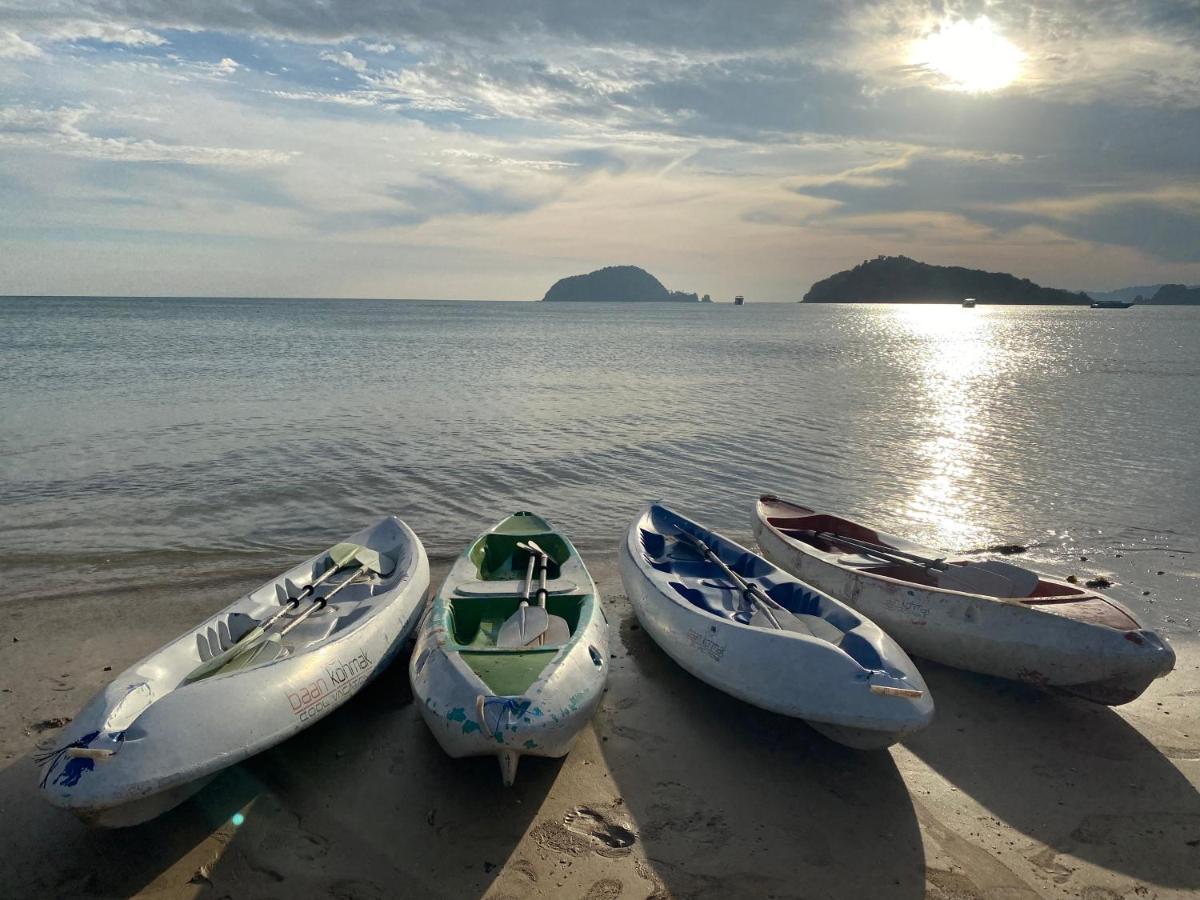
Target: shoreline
pixel 674 789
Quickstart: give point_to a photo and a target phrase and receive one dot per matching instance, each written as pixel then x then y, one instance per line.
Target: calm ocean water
pixel 145 442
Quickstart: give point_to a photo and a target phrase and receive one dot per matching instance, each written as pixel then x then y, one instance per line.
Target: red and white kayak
pixel 979 615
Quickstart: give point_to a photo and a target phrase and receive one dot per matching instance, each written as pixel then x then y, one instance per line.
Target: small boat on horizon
pixel 739 300
pixel 500 669
pixel 1111 304
pixel 969 303
pixel 751 630
pixel 984 616
pixel 265 667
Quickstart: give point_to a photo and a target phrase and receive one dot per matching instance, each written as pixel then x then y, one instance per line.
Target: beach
pixel 674 790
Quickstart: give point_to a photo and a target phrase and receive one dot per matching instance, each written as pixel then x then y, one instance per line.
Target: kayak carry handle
pixel 888 691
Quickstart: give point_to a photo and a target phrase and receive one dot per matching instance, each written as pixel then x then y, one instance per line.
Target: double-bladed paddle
pixel 989 577
pixel 774 613
pixel 248 645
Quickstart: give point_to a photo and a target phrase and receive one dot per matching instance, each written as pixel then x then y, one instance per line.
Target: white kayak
pixel 512 657
pixel 825 664
pixel 981 615
pixel 249 677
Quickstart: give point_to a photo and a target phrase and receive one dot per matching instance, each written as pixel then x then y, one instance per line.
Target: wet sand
pixel 674 791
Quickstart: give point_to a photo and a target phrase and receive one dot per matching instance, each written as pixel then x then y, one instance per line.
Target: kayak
pixel 824 663
pixel 980 615
pixel 512 656
pixel 267 666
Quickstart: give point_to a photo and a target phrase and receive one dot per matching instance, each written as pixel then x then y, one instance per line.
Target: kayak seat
pixel 727 603
pixel 511 588
pixel 860 561
pixel 713 600
pixel 822 628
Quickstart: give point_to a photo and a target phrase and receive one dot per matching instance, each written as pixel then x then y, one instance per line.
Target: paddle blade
pixel 340 554
pixel 974 580
pixel 345 553
pixel 1024 582
pixel 262 652
pixel 522 627
pixel 220 660
pixel 557 631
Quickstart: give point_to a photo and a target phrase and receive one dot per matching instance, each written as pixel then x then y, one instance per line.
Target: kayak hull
pixel 149 740
pixel 863 706
pixel 481 700
pixel 1062 637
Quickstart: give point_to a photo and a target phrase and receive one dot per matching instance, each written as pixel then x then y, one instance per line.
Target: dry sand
pixel 675 790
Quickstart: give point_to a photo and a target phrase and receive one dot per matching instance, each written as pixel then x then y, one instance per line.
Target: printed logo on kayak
pixel 338 682
pixel 706 645
pixel 909 606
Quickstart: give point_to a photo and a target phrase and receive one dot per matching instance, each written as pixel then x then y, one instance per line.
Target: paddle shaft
pixel 528 578
pixel 294 602
pixel 542 594
pixel 752 592
pixel 543 565
pixel 889 553
pixel 320 602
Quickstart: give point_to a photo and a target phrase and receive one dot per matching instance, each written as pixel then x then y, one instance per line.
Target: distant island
pixel 898 279
pixel 1174 295
pixel 621 284
pixel 1152 294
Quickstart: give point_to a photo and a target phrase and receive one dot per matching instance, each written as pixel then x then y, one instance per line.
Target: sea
pixel 155 444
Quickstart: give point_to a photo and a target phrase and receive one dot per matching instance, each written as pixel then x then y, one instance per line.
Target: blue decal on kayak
pixel 74 768
pixel 458 714
pixel 502 712
pixel 470 727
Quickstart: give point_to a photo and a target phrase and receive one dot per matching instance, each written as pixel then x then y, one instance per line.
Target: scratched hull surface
pixel 149 740
pixel 480 698
pixel 847 678
pixel 1060 636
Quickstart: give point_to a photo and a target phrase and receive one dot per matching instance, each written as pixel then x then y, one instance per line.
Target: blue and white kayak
pixel 805 655
pixel 269 665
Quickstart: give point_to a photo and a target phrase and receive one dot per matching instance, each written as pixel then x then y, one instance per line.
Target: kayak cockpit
pixel 497 556
pixel 702 584
pixel 474 623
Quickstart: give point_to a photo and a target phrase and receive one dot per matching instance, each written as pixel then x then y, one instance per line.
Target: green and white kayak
pixel 512 656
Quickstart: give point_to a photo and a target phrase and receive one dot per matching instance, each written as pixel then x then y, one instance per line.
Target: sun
pixel 972 56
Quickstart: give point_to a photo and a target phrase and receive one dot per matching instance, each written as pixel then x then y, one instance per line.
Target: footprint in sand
pixel 605 889
pixel 597 825
pixel 587 829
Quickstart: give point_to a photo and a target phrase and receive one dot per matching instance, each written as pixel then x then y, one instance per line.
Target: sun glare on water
pixel 972 56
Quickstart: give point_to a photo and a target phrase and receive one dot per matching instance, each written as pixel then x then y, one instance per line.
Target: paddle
pixel 756 596
pixel 557 630
pixel 339 558
pixel 525 625
pixel 271 644
pixel 990 577
pixel 533 624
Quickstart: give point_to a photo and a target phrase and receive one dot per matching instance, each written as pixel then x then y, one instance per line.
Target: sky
pixel 482 150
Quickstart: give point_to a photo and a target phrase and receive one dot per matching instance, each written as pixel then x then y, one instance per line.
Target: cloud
pixel 345 58
pixel 1007 193
pixel 563 129
pixel 61 130
pixel 492 161
pixel 104 32
pixel 13 46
